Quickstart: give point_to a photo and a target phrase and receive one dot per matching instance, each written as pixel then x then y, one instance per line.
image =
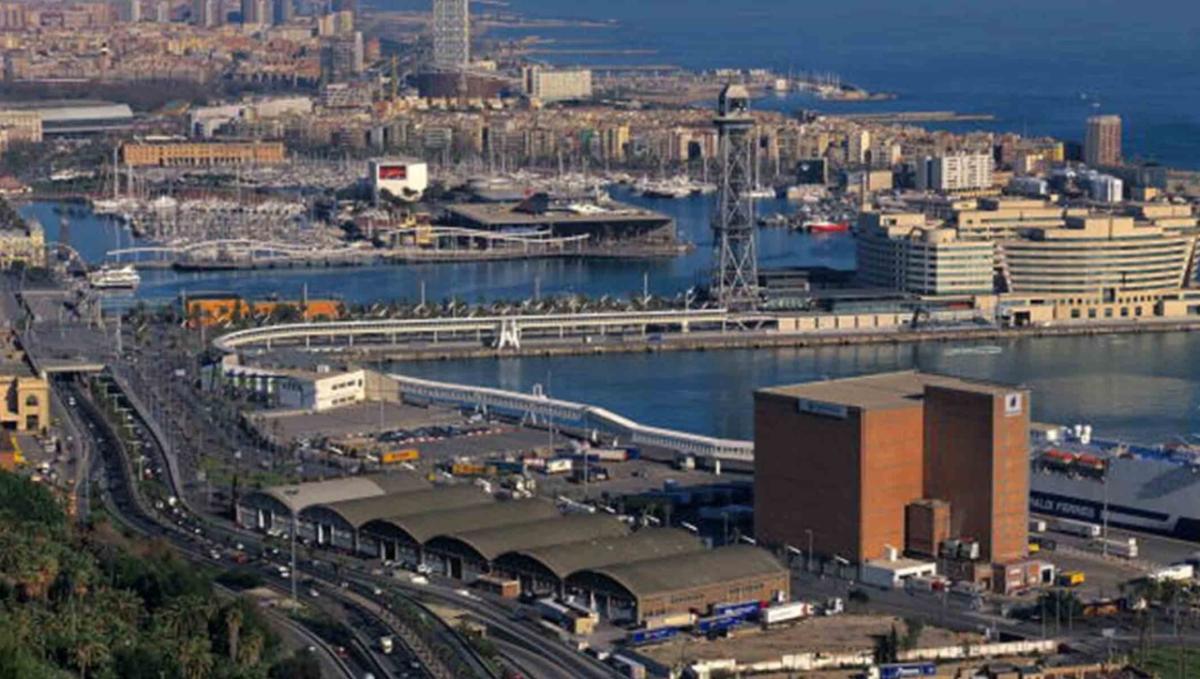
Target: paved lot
pixel 355 420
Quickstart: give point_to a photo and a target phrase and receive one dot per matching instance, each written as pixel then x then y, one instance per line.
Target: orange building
pixel 220 311
pixel 842 463
pixel 202 154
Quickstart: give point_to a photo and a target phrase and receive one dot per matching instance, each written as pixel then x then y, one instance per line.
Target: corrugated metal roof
pixel 298 496
pixel 424 526
pixel 644 545
pixel 492 542
pixel 359 511
pixel 689 571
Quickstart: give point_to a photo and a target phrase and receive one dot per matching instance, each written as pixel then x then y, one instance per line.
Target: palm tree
pixel 233 626
pixel 250 649
pixel 195 657
pixel 90 652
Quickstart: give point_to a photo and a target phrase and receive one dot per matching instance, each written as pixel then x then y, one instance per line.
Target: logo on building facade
pixel 1012 404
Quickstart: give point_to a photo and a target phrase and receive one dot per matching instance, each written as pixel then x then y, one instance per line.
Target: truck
pixel 741 610
pixel 716 624
pixel 1122 547
pixel 641 637
pixel 1072 527
pixel 471 469
pixel 398 456
pixel 558 465
pixel 1179 572
pixel 1071 578
pixel 628 667
pixel 781 613
pixel 386 645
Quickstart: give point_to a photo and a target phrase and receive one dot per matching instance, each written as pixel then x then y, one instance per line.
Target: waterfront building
pixel 24 395
pixel 837 463
pixel 1007 217
pixel 404 178
pixel 21 125
pixel 1096 255
pixel 556 85
pixel 23 243
pixel 954 172
pixel 901 251
pixel 1102 145
pixel 451 34
pixel 183 154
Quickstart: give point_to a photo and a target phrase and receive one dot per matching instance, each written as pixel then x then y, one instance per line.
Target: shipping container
pixel 558 465
pixel 471 469
pixel 743 610
pixel 639 637
pixel 716 623
pixel 1073 527
pixel 628 667
pixel 608 454
pixel 1181 572
pixel 669 620
pixel 506 589
pixel 912 669
pixel 1123 547
pixel 397 456
pixel 786 612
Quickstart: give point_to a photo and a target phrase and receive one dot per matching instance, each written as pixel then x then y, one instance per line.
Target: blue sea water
pixel 1039 66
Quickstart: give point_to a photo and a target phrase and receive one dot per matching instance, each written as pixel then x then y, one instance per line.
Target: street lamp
pixel 293 492
pixel 808 557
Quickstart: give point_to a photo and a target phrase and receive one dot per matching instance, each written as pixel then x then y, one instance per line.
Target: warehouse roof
pixel 424 526
pixel 298 496
pixel 492 542
pixel 692 570
pixel 359 511
pixel 648 543
pixel 884 390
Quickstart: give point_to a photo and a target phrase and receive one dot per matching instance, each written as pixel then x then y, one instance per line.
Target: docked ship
pixel 825 227
pixel 113 278
pixel 1147 488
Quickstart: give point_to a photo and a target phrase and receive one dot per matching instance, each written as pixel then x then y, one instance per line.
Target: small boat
pixel 112 278
pixel 825 227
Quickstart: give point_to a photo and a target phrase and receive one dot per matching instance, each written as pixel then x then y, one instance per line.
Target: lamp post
pixel 809 554
pixel 293 492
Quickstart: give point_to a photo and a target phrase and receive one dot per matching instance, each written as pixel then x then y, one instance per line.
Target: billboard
pixel 393 172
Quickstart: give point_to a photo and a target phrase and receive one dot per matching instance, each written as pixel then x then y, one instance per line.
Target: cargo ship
pixel 1146 488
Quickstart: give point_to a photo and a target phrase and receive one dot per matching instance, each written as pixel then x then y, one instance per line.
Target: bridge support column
pixel 683 327
pixel 307 341
pixel 716 466
pixel 350 340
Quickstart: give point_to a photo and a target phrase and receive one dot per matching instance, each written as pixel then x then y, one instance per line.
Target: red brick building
pixel 839 462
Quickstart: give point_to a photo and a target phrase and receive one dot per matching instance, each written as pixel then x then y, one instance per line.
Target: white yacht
pixel 114 277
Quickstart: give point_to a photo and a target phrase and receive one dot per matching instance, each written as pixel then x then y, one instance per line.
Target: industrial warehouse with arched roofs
pixel 462 532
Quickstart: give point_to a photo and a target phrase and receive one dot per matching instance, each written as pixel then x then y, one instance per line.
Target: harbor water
pixel 1143 388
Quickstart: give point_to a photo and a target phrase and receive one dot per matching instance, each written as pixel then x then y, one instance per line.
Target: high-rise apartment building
pixel 255 12
pixel 1102 146
pixel 283 12
pixel 556 85
pixel 955 172
pixel 451 34
pixel 207 13
pixel 837 464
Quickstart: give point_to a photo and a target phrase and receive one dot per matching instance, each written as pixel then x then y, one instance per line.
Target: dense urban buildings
pixel 838 463
pixel 1102 144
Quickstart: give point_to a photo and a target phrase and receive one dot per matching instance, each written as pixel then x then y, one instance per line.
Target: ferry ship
pixel 1147 488
pixel 111 278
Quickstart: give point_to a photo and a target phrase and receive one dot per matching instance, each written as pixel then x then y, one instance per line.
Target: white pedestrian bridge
pixel 578 414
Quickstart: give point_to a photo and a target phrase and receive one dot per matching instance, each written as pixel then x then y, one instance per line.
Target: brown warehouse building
pixel 906 460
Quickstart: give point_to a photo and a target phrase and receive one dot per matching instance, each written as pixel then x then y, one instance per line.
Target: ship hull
pixel 1142 495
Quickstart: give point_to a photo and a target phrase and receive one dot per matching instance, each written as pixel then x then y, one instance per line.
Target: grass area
pixel 1171 662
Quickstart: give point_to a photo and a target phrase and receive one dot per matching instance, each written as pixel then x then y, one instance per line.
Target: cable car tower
pixel 735 273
